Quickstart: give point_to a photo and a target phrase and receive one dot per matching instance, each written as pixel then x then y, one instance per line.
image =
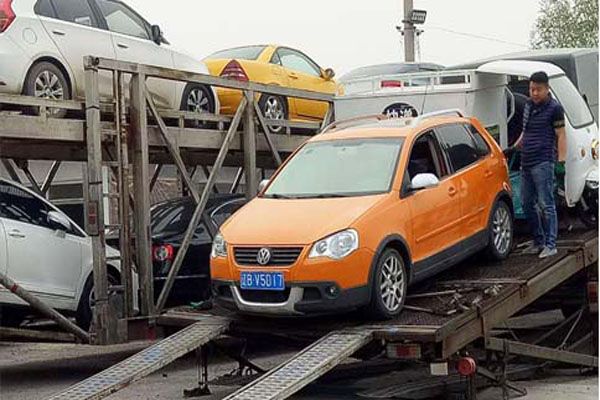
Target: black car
pixel 169 221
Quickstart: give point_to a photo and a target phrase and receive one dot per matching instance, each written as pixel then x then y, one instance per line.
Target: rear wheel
pixel 501 230
pixel 198 99
pixel 274 107
pixel 389 286
pixel 46 81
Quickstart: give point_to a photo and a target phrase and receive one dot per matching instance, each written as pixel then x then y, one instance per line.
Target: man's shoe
pixel 548 252
pixel 533 249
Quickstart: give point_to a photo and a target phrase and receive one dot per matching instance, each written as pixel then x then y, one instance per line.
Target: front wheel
pixel 45 80
pixel 389 286
pixel 500 231
pixel 275 108
pixel 587 208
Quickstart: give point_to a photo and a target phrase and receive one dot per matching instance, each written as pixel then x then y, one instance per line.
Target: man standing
pixel 543 144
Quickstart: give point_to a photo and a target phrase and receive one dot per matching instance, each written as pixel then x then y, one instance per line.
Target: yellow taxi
pixel 276 65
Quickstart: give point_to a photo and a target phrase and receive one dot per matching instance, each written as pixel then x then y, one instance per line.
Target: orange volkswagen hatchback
pixel 362 211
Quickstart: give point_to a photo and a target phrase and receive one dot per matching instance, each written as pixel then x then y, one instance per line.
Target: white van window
pixel 576 110
pixel 121 19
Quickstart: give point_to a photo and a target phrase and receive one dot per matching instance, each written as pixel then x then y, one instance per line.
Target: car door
pixel 472 171
pixel 77 33
pixel 435 212
pixel 40 257
pixel 131 36
pixel 305 74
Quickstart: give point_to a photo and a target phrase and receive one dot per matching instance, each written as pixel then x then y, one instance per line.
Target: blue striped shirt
pixel 540 122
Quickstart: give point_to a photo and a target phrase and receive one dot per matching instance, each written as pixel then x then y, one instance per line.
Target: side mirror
pixel 328 74
pixel 156 34
pixel 59 220
pixel 262 185
pixel 424 181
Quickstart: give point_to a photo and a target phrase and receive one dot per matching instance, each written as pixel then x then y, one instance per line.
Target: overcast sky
pixel 345 34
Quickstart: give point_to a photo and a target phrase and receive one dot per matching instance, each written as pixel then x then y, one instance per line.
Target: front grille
pixel 265 296
pixel 280 256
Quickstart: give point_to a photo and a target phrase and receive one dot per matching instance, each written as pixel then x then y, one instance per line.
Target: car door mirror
pixel 262 185
pixel 424 181
pixel 59 221
pixel 156 34
pixel 328 74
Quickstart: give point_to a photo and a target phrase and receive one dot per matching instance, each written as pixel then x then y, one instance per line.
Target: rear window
pixel 239 53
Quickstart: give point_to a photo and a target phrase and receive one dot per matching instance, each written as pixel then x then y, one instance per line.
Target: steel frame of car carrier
pixel 518 283
pixel 126 137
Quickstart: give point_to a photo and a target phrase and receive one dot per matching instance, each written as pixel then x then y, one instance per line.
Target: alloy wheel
pixel 49 86
pixel 198 101
pixel 502 230
pixel 392 284
pixel 274 109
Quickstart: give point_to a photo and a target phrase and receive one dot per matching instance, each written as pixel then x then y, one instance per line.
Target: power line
pixel 478 36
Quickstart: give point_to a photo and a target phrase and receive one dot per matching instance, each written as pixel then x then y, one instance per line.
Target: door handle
pixel 293 76
pixel 452 191
pixel 122 45
pixel 58 32
pixel 16 234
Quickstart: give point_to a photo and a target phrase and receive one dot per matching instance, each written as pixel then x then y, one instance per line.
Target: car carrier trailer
pixel 439 325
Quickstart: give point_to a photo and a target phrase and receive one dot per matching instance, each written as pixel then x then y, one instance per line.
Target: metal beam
pixel 9 165
pixel 193 224
pixel 207 174
pixel 50 177
pixel 249 144
pixel 24 165
pixel 267 133
pixel 155 176
pixel 236 181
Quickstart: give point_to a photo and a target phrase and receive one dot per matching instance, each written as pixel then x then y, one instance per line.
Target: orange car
pixel 276 65
pixel 363 210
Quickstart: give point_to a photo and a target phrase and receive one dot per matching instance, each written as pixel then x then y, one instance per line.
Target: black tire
pixel 57 89
pixel 587 208
pixel 11 317
pixel 500 232
pixel 382 307
pixel 274 107
pixel 85 313
pixel 197 98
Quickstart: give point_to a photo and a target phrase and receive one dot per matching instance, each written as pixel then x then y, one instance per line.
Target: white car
pixel 46 253
pixel 43 43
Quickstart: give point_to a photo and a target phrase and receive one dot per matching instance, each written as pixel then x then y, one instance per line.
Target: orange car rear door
pixel 304 74
pixel 435 212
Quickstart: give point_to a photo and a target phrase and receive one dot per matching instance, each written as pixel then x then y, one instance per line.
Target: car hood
pixel 294 222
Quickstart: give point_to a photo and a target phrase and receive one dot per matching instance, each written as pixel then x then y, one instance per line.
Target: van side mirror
pixel 328 74
pixel 156 34
pixel 59 221
pixel 424 181
pixel 262 185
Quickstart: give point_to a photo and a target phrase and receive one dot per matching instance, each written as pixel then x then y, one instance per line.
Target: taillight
pixel 7 15
pixel 163 253
pixel 391 84
pixel 233 70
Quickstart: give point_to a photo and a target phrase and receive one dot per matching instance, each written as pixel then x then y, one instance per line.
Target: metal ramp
pixel 304 368
pixel 146 362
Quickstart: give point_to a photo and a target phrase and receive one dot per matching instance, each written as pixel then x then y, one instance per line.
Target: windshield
pixel 338 168
pixel 239 53
pixel 576 110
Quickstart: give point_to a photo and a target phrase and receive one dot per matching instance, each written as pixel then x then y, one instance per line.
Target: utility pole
pixel 409 32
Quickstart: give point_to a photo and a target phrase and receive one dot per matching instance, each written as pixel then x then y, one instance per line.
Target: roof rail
pixel 356 121
pixel 362 120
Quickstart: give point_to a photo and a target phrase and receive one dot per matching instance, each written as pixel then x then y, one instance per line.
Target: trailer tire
pixel 500 232
pixel 389 286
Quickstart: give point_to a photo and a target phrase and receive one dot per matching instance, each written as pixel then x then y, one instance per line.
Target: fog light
pixel 466 366
pixel 333 291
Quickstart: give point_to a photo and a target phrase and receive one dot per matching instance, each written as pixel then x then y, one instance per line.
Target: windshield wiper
pixel 325 196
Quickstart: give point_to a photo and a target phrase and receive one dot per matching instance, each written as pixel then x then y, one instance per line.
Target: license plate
pixel 262 281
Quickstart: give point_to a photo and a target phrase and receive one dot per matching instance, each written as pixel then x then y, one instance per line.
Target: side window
pixel 77 11
pixel 43 8
pixel 121 19
pixel 275 59
pixel 18 205
pixel 297 61
pixel 483 149
pixel 459 145
pixel 220 215
pixel 426 157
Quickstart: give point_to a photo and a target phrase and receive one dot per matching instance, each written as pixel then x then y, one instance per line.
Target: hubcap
pixel 274 109
pixel 197 101
pixel 48 86
pixel 502 230
pixel 392 284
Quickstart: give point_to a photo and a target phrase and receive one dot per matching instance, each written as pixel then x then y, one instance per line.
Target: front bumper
pixel 307 298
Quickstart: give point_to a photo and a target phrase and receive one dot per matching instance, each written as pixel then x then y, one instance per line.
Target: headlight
pixel 336 246
pixel 219 247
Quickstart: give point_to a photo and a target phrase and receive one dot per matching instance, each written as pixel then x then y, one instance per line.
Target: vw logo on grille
pixel 264 256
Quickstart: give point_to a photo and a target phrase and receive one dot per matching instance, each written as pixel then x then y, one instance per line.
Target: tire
pixel 501 232
pixel 274 107
pixel 46 80
pixel 197 98
pixel 85 313
pixel 587 208
pixel 386 301
pixel 10 317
